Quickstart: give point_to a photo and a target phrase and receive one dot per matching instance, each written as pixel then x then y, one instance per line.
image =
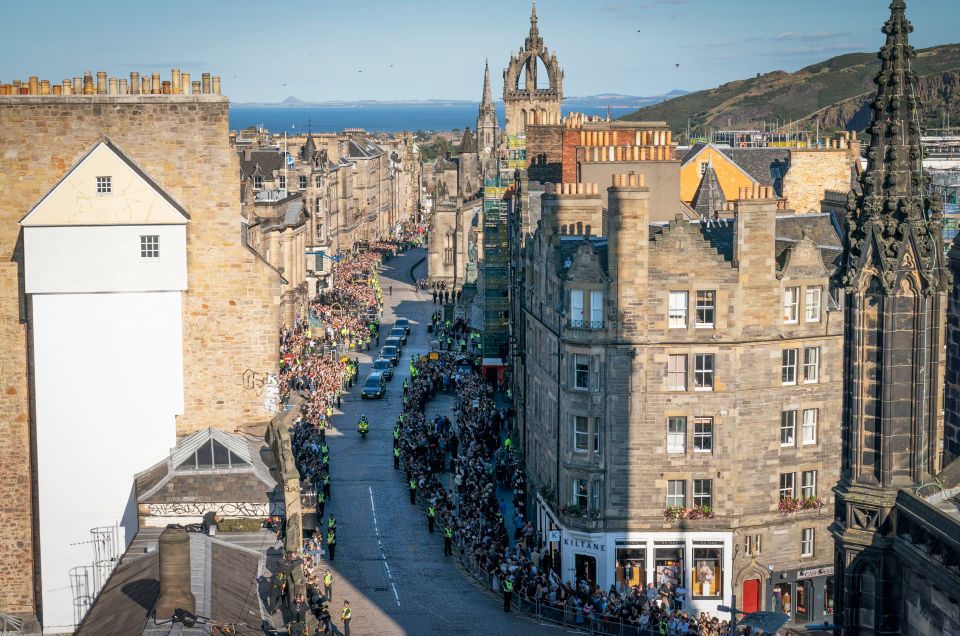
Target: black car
pixel 374 387
pixel 385 367
pixel 392 354
pixel 402 322
pixel 393 341
pixel 398 332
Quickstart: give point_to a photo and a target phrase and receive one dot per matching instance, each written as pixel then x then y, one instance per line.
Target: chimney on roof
pixel 175 591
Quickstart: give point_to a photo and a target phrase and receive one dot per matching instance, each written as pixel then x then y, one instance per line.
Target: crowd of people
pixel 478 451
pixel 316 368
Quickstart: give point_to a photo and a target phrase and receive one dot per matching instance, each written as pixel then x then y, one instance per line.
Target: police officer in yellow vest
pixel 328 584
pixel 345 615
pixel 448 541
pixel 431 517
pixel 413 491
pixel 396 458
pixel 507 593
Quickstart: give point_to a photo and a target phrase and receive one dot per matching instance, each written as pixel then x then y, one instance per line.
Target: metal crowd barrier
pixel 566 617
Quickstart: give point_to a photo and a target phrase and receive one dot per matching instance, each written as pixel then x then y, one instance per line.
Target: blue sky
pixel 420 49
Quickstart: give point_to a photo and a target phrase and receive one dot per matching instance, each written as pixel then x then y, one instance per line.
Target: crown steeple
pixel 894 186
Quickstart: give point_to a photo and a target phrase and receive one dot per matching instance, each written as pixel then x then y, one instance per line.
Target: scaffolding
pixel 493 285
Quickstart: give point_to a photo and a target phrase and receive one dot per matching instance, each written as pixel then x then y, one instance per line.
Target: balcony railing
pixel 586 324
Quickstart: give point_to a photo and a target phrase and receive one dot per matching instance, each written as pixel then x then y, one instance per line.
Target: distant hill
pixel 836 92
pixel 592 102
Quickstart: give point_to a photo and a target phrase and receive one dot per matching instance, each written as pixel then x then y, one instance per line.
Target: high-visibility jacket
pixel 508 585
pixel 413 485
pixel 431 511
pixel 328 579
pixel 346 614
pixel 448 532
pixel 396 452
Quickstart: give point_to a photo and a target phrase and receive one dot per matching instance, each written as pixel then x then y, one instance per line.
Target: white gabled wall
pixel 109 384
pixel 76 259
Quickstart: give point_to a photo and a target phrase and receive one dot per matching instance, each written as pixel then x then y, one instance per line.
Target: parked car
pixel 385 367
pixel 402 322
pixel 392 354
pixel 374 387
pixel 393 341
pixel 398 332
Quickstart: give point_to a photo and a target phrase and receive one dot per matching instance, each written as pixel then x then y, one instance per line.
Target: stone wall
pixel 231 311
pixel 811 173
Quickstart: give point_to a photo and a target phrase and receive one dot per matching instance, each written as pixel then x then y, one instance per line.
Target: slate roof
pixel 709 196
pixel 267 160
pixel 308 149
pixel 469 142
pixel 225 581
pixel 760 163
pixel 161 483
pixel 361 148
pixel 570 244
pixel 790 229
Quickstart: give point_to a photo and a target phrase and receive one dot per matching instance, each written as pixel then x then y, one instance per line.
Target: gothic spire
pixel 894 172
pixel 533 40
pixel 894 184
pixel 487 102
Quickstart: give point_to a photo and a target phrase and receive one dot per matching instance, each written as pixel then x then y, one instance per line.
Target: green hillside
pixel 827 91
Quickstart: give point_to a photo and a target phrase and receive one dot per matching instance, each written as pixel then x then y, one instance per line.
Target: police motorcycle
pixel 363 426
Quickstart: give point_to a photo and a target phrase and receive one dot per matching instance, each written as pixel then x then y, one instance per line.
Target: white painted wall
pixel 73 259
pixel 109 383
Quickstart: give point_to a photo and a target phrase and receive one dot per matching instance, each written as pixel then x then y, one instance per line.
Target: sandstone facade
pixel 230 311
pixel 667 354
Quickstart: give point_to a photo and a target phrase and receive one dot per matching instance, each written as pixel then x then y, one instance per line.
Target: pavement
pixel 388 566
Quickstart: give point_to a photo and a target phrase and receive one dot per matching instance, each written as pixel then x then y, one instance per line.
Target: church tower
pixel 529 103
pixel 894 282
pixel 487 127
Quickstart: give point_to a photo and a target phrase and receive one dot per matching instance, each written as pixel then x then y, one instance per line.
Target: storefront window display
pixel 707 575
pixel 803 599
pixel 783 598
pixel 669 567
pixel 631 567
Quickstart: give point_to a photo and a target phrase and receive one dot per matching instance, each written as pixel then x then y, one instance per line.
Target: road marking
pixel 376 529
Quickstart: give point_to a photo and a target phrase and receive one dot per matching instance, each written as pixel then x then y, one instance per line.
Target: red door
pixel 751 595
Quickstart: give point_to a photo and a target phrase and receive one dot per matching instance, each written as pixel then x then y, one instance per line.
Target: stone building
pixel 161 321
pixel 353 189
pixel 679 385
pixel 531 104
pixel 799 175
pixel 580 149
pixel 897 519
pixel 277 228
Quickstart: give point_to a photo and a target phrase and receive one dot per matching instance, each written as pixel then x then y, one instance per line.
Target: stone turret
pixel 895 283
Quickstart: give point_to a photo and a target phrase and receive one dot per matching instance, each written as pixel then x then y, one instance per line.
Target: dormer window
pixel 212 455
pixel 104 185
pixel 258 183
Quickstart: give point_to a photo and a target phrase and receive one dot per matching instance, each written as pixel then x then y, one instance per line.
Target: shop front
pixel 698 565
pixel 806 595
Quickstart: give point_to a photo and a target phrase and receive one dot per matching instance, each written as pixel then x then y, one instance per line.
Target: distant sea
pixel 370 117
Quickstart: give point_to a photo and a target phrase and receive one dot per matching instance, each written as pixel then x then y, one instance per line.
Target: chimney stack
pixel 175 589
pixel 628 248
